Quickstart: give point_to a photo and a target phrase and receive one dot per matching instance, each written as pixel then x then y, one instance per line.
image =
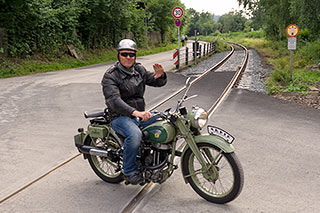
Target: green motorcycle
pixel 208 161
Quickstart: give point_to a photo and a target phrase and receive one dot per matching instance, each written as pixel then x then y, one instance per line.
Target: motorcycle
pixel 208 161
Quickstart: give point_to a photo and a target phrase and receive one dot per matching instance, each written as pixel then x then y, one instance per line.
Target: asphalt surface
pixel 278 146
pixel 41 113
pixel 277 143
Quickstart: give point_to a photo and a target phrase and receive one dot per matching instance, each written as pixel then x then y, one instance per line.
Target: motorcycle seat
pixel 94 113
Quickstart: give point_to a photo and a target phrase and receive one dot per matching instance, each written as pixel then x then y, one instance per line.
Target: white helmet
pixel 127 44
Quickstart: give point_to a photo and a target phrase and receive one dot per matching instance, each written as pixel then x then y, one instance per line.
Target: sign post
pixel 177 12
pixel 292 32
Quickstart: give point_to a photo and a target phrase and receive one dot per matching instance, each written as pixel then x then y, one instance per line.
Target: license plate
pixel 212 130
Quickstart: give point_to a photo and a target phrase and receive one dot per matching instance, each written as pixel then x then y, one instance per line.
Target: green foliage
pixel 310 52
pixel 279 80
pixel 256 34
pixel 46 27
pixel 232 22
pixel 201 22
pixel 304 34
pixel 161 18
pixel 277 55
pixel 275 15
pixel 39 26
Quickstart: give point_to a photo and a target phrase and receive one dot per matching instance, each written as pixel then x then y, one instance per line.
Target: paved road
pixel 276 142
pixel 39 115
pixel 278 146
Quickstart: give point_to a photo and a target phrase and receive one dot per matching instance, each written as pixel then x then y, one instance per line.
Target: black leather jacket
pixel 123 91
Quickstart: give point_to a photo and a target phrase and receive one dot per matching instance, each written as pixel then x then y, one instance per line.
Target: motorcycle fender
pixel 211 139
pixel 82 139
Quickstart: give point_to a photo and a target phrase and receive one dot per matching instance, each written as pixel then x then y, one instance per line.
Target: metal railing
pixel 198 50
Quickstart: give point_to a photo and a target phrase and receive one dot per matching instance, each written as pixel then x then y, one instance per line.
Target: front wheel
pixel 104 167
pixel 223 180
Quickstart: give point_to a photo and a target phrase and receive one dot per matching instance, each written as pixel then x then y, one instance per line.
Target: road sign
pixel 292 30
pixel 177 22
pixel 177 12
pixel 292 43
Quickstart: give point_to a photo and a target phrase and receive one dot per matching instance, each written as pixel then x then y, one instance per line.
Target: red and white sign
pixel 177 12
pixel 175 54
pixel 292 30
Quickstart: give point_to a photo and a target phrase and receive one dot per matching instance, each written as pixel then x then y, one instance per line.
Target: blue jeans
pixel 129 128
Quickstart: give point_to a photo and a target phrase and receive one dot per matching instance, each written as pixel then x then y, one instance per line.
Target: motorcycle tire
pixel 104 167
pixel 217 189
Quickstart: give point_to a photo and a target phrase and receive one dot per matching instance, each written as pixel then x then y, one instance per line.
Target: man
pixel 123 86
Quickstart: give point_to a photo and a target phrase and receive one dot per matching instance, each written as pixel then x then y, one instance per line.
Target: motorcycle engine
pixel 155 162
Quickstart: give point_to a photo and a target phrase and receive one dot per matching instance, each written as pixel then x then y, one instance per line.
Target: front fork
pixel 208 170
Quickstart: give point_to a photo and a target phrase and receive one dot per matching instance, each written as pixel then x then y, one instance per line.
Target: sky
pixel 217 7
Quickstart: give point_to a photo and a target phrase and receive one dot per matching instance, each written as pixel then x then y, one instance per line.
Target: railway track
pixel 143 192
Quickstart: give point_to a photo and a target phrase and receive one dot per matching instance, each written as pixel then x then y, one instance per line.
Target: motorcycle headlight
pixel 200 118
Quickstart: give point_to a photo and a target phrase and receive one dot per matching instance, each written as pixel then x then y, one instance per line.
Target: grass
pixel 10 67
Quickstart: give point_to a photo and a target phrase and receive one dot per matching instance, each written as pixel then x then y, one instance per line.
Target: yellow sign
pixel 292 30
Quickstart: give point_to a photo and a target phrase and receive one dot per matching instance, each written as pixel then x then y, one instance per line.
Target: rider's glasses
pixel 131 55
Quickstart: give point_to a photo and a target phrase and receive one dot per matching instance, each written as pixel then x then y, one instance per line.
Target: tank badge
pixel 157 134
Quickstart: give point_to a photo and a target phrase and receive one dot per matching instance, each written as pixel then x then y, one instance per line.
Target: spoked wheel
pixel 222 182
pixel 104 167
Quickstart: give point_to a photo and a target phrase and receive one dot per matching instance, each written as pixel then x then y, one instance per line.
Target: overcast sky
pixel 217 7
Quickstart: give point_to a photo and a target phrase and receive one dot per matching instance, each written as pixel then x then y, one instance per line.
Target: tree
pixel 103 22
pixel 232 22
pixel 39 26
pixel 161 18
pixel 47 26
pixel 201 22
pixel 275 15
pixel 308 15
pixel 193 24
pixel 207 24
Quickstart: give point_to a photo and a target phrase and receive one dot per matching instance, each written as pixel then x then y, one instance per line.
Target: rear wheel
pixel 222 182
pixel 104 167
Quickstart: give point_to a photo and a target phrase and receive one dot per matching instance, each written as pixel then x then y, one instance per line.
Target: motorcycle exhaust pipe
pixel 94 151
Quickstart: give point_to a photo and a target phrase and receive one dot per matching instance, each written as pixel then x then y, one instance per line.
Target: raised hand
pixel 158 69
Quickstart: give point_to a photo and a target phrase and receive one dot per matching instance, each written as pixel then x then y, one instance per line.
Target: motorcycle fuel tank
pixel 160 132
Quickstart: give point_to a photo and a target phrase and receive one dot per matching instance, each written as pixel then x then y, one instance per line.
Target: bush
pixel 304 34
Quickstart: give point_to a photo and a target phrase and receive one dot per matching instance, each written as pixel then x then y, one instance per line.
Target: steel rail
pixel 233 81
pixel 213 68
pixel 38 179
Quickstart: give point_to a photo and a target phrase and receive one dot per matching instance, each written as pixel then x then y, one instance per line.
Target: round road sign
pixel 292 30
pixel 177 12
pixel 177 22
